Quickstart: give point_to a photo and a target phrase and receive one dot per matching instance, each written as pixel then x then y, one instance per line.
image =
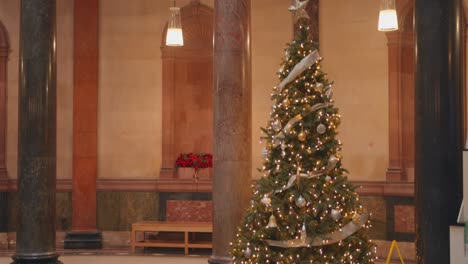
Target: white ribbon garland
pixel 287 128
pixel 331 238
pixel 305 63
pixel 332 161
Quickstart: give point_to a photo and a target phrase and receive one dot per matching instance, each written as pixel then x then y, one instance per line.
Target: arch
pixel 401 95
pixel 188 93
pixel 197 26
pixel 4 51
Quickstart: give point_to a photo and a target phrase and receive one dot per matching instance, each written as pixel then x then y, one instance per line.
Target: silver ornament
pixel 321 128
pixel 335 214
pixel 328 92
pixel 303 233
pixel 286 55
pixel 319 86
pixel 276 141
pixel 283 153
pixel 247 253
pixel 264 152
pixel 266 200
pixel 276 125
pixel 328 179
pixel 332 160
pixel 280 70
pixel 300 201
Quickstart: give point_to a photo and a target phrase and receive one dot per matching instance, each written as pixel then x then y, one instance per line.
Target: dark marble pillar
pixel 37 134
pixel 4 51
pixel 3 212
pixel 232 122
pixel 438 125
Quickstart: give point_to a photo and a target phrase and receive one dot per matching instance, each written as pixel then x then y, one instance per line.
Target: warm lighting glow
pixel 388 20
pixel 174 36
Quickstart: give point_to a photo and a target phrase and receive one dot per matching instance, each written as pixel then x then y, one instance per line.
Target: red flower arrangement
pixel 195 161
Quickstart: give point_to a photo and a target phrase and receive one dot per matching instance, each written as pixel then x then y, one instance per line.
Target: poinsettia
pixel 195 161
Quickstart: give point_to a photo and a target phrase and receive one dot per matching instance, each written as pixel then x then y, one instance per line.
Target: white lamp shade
pixel 174 36
pixel 388 20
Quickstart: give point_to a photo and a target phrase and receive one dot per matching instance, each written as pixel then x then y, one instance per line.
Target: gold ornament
pixel 356 218
pixel 272 222
pixel 286 102
pixel 266 200
pixel 302 136
pixel 339 156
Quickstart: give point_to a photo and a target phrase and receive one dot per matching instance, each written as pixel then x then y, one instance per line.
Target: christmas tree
pixel 303 209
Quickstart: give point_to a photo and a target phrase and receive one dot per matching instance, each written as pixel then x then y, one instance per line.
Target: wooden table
pixel 183 227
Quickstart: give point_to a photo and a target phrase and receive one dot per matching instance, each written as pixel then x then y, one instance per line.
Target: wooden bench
pixel 182 227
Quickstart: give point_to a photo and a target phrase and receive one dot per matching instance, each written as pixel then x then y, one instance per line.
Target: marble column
pixel 37 134
pixel 85 126
pixel 438 125
pixel 4 51
pixel 232 122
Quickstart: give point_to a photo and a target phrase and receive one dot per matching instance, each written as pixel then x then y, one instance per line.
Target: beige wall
pixel 355 57
pixel 271 30
pixel 130 82
pixel 9 15
pixel 130 87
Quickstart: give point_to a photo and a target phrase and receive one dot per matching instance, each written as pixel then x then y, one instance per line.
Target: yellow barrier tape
pixel 393 246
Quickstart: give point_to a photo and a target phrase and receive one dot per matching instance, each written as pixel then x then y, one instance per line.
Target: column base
pixel 219 260
pixel 83 240
pixel 36 259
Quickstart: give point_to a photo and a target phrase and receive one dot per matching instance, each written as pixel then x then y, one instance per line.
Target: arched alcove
pixel 401 95
pixel 4 51
pixel 188 91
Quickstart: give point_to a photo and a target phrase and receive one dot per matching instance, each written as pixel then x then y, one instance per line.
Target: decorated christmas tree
pixel 303 209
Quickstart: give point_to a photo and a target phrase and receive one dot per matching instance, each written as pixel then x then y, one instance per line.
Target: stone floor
pixel 169 256
pixel 148 259
pixel 126 259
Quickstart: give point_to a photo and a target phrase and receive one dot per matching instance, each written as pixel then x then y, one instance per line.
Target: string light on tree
pixel 304 208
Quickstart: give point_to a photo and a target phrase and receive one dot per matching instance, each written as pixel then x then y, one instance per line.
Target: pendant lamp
pixel 388 20
pixel 174 36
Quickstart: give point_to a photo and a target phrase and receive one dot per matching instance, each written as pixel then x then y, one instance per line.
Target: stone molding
pixel 368 188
